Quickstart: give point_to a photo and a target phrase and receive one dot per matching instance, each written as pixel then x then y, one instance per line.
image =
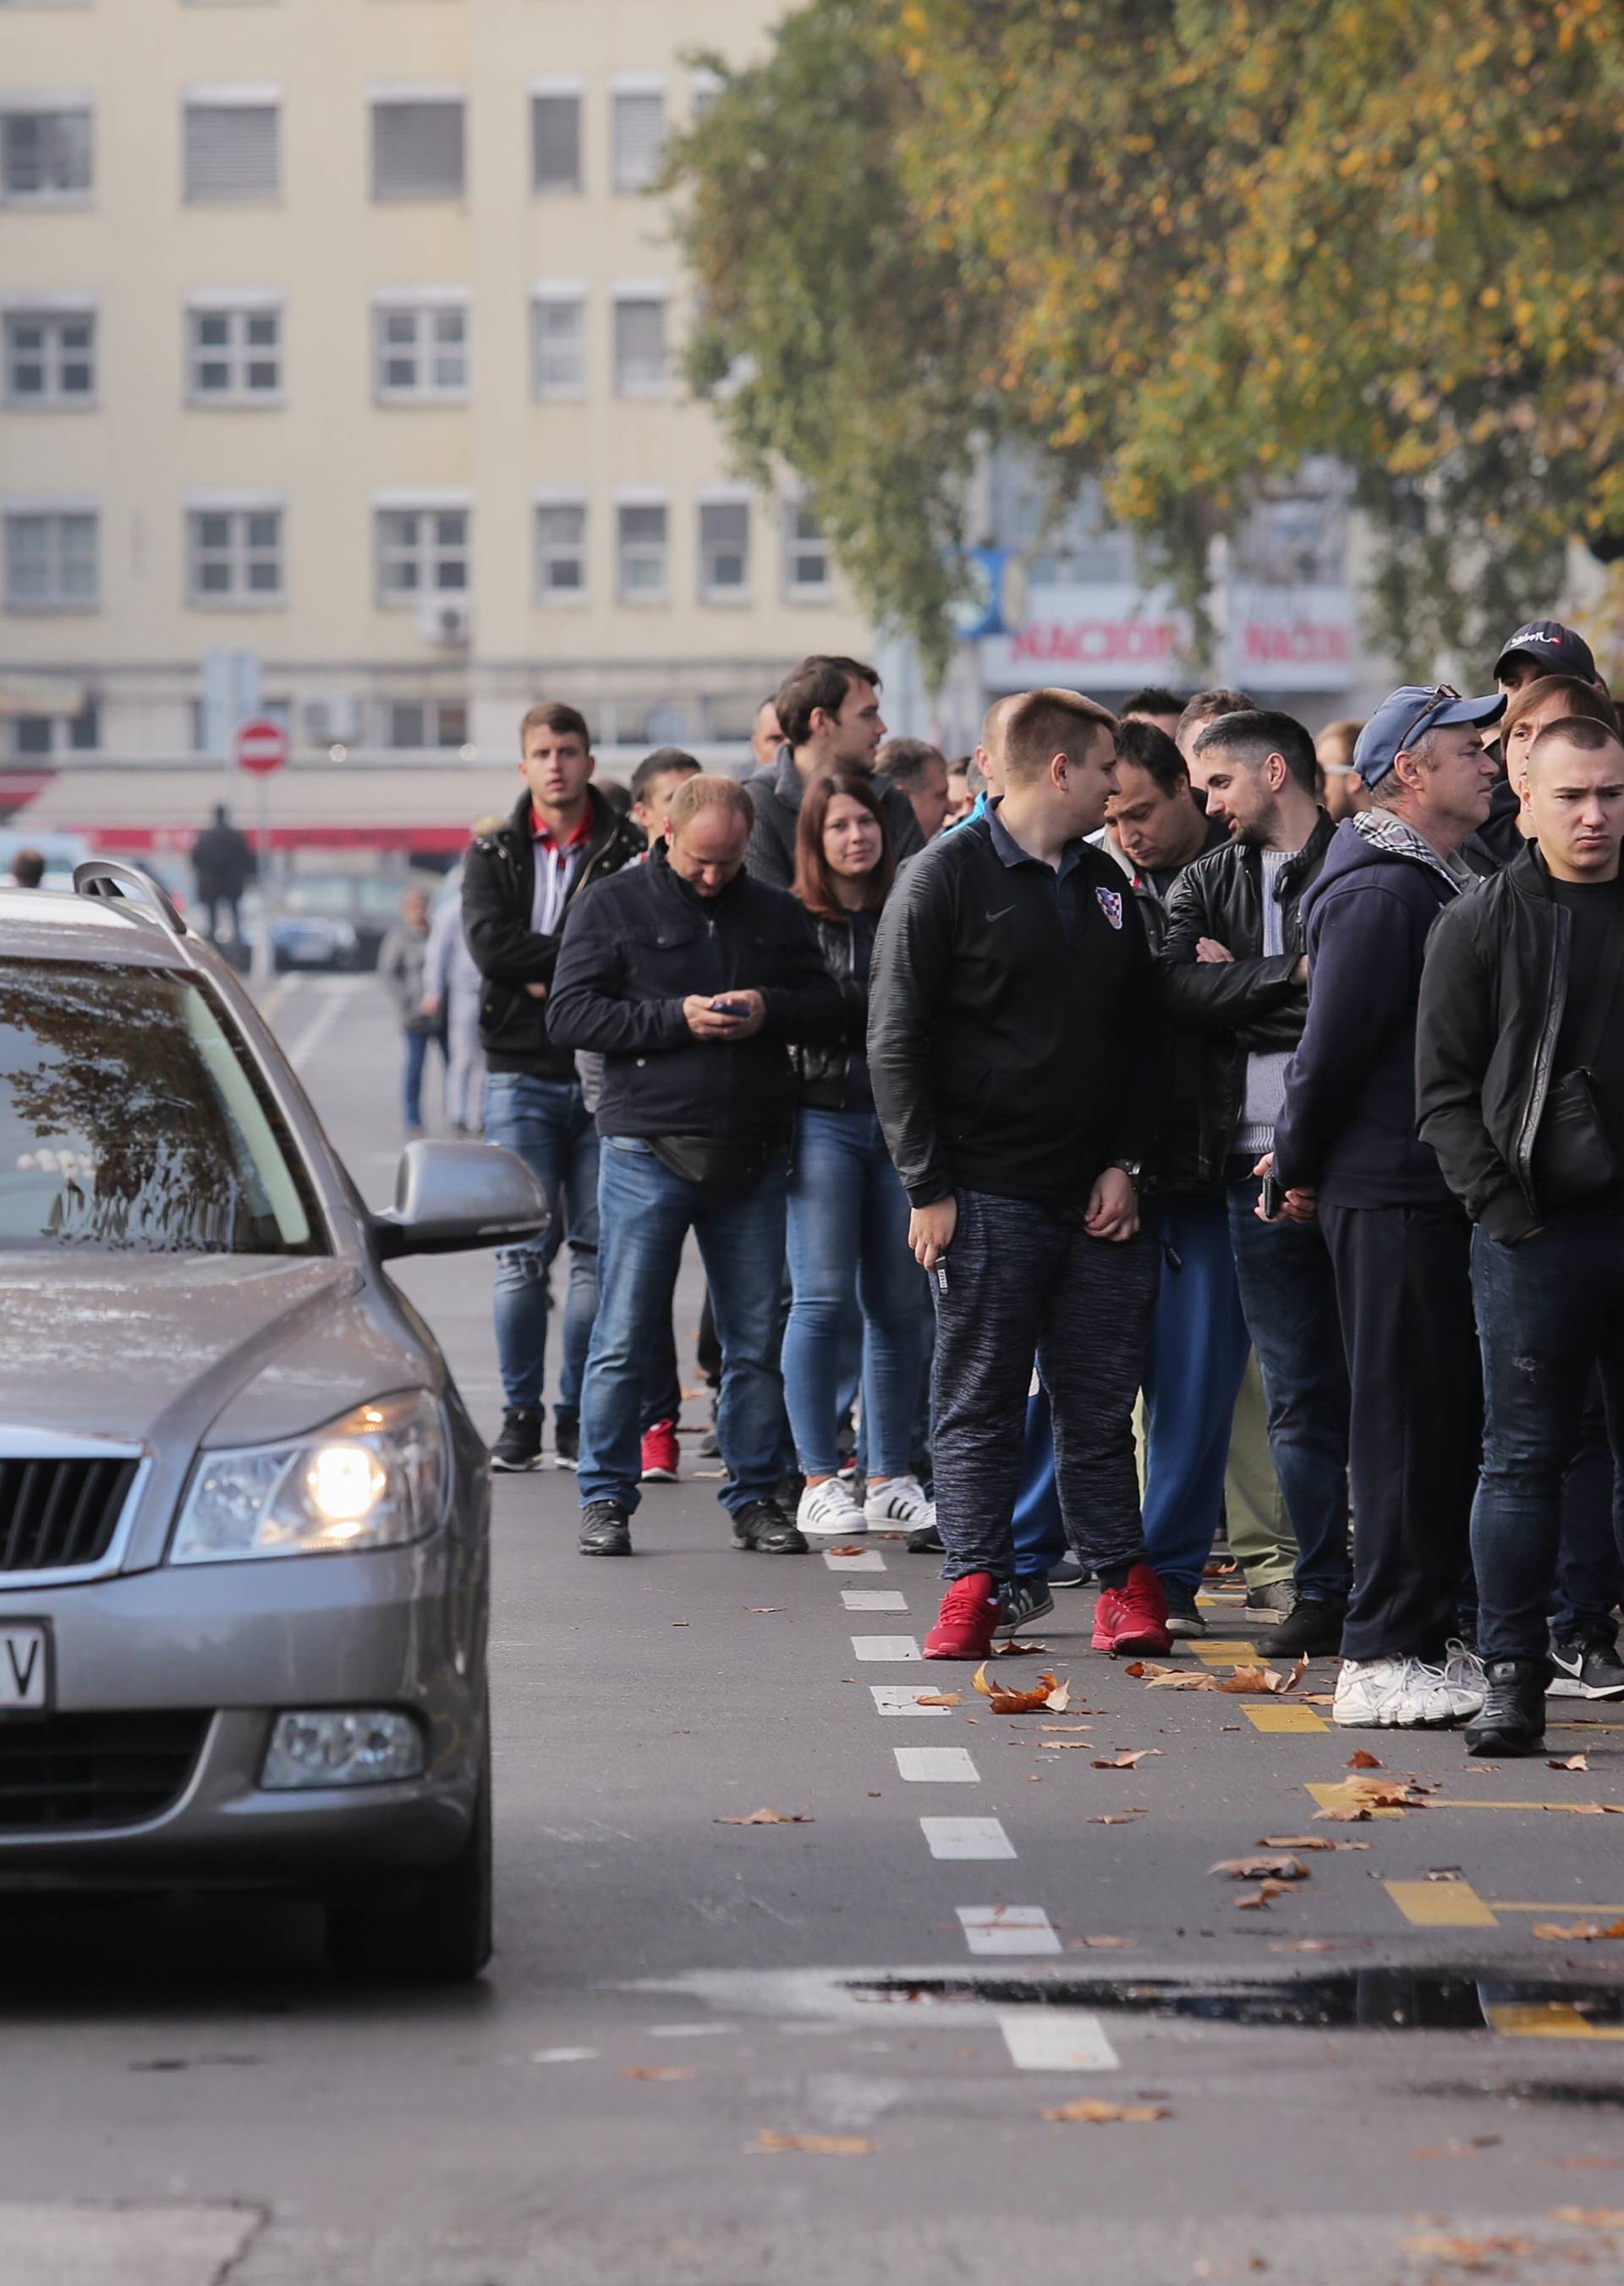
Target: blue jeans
pixel 1037 1525
pixel 645 1212
pixel 848 1255
pixel 417 1045
pixel 1288 1298
pixel 547 1124
pixel 1198 1348
pixel 1550 1311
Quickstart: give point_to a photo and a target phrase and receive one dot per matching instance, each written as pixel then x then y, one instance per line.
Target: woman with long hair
pixel 848 1252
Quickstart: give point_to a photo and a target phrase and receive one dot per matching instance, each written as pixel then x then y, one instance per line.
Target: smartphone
pixel 728 1008
pixel 1272 1199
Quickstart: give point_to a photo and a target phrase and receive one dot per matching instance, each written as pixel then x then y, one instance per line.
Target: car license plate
pixel 25 1669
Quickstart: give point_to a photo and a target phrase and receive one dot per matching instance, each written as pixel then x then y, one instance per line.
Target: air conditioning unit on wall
pixel 446 621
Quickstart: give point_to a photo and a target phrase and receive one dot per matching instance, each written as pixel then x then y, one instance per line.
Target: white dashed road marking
pixel 901 1698
pixel 866 1560
pixel 873 1599
pixel 310 1039
pixel 966 1837
pixel 1058 2039
pixel 1008 1928
pixel 937 1765
pixel 887 1647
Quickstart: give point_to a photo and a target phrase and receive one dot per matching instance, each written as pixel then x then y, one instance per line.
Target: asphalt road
pixel 956 1933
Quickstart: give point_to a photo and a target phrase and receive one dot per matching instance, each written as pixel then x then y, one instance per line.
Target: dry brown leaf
pixel 1130 1761
pixel 1445 1873
pixel 849 1547
pixel 1319 1699
pixel 936 1697
pixel 1091 2112
pixel 1344 1814
pixel 1069 1729
pixel 1585 1932
pixel 768 1817
pixel 1363 1760
pixel 1059 1698
pixel 1060 1746
pixel 1117 1817
pixel 1571 1762
pixel 1157 1678
pixel 657 2071
pixel 1012 1649
pixel 1261 1868
pixel 1264 1894
pixel 1463 2253
pixel 826 2147
pixel 1244 1679
pixel 1108 1943
pixel 1307 1841
pixel 761 1611
pixel 1588 2217
pixel 1008 1701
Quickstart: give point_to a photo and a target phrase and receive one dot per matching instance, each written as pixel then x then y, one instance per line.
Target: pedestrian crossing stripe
pixel 1440 1904
pixel 1297 1719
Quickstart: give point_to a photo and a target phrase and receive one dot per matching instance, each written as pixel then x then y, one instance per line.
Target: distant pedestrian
pixel 919 770
pixel 452 990
pixel 654 781
pixel 959 793
pixel 1156 705
pixel 402 962
pixel 830 712
pixel 1342 793
pixel 224 863
pixel 690 979
pixel 27 869
pixel 765 734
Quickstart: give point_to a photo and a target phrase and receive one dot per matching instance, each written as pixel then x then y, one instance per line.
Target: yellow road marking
pixel 1547 2019
pixel 1336 1796
pixel 1566 1906
pixel 1283 1718
pixel 1223 1654
pixel 1440 1904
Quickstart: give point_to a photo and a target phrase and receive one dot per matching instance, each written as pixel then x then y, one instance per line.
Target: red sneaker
pixel 659 1454
pixel 1133 1617
pixel 964 1623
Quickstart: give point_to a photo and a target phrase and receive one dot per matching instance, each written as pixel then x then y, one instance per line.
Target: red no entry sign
pixel 261 746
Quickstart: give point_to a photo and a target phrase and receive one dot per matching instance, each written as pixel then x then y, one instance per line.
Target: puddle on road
pixel 1350 1999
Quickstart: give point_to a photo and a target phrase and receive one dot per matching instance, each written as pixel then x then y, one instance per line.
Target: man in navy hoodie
pixel 1345 1147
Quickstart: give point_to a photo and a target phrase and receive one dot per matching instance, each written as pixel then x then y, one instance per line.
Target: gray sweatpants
pixel 1019 1283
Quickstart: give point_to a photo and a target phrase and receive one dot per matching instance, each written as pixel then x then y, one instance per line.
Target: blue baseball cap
pixel 1407 714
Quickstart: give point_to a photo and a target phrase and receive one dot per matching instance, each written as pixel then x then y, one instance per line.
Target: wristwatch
pixel 1131 1168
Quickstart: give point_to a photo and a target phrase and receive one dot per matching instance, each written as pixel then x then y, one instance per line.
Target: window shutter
pixel 555 132
pixel 639 134
pixel 417 150
pixel 232 151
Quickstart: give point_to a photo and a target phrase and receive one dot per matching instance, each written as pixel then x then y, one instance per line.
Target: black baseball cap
pixel 1554 649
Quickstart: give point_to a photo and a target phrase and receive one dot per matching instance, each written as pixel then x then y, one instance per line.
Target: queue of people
pixel 1157 1060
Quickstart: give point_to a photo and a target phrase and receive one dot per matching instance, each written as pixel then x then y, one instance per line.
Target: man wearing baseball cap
pixel 1540 648
pixel 1399 1242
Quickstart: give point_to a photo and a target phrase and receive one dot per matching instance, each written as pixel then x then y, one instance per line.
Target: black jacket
pixel 499 887
pixel 1249 1005
pixel 1348 1129
pixel 636 948
pixel 1005 1056
pixel 776 793
pixel 1492 996
pixel 822 1073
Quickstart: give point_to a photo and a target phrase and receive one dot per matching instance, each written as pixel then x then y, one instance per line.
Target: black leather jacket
pixel 1249 1005
pixel 823 1072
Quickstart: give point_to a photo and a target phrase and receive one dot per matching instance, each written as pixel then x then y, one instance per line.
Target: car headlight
pixel 375 1479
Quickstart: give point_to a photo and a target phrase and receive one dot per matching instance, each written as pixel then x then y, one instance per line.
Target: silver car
pixel 243 1510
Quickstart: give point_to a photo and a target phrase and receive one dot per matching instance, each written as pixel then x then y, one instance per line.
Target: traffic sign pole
pixel 261 748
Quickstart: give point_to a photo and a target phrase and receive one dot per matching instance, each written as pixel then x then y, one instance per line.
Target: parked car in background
pixel 366 904
pixel 243 1508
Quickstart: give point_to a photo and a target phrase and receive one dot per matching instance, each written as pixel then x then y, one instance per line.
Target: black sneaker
pixel 1279 1595
pixel 566 1440
pixel 1019 1602
pixel 605 1529
pixel 763 1525
pixel 1070 1572
pixel 1511 1719
pixel 925 1542
pixel 1183 1616
pixel 1590 1669
pixel 708 1448
pixel 519 1446
pixel 1312 1628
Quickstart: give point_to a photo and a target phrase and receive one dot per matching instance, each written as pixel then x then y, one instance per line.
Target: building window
pixel 233 355
pixel 561 344
pixel 417 148
pixel 560 551
pixel 51 560
pixel 638 135
pixel 724 551
pixel 641 553
pixel 555 139
pixel 235 556
pixel 422 350
pixel 808 572
pixel 641 368
pixel 49 358
pixel 44 155
pixel 422 552
pixel 425 722
pixel 35 735
pixel 233 150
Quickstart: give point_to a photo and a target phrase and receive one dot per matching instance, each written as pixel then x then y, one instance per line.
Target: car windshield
pixel 131 1118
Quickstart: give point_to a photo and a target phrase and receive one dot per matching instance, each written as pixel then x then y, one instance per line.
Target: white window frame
pixel 384 95
pixel 426 548
pixel 52 310
pixel 555 496
pixel 553 294
pixel 725 496
pixel 797 591
pixel 262 95
pixel 640 293
pixel 560 90
pixel 240 550
pixel 425 305
pixel 61 102
pixel 55 509
pixel 634 86
pixel 642 496
pixel 238 305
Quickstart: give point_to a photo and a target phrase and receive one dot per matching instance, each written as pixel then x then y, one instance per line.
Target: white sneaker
pixel 1403 1694
pixel 1464 1679
pixel 899 1506
pixel 829 1508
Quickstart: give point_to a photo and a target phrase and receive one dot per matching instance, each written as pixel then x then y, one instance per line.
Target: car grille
pixel 95 1769
pixel 55 1515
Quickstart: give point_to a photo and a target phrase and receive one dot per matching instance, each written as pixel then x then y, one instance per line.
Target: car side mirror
pixel 449 1196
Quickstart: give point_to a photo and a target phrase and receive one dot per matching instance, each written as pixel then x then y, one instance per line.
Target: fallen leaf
pixel 1445 1873
pixel 1266 1680
pixel 1058 1745
pixel 1261 1868
pixel 1584 1932
pixel 1091 2112
pixel 1117 1818
pixel 1308 1842
pixel 1264 1894
pixel 1126 1761
pixel 936 1698
pixel 1059 1698
pixel 681 1623
pixel 1012 1649
pixel 1464 2253
pixel 1571 1762
pixel 1588 2217
pixel 1109 1943
pixel 759 1610
pixel 1363 1761
pixel 1319 1699
pixel 851 1548
pixel 1304 1945
pixel 1156 1677
pixel 1069 1729
pixel 1344 1814
pixel 657 2071
pixel 768 1817
pixel 874 1793
pixel 1005 1702
pixel 827 2147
